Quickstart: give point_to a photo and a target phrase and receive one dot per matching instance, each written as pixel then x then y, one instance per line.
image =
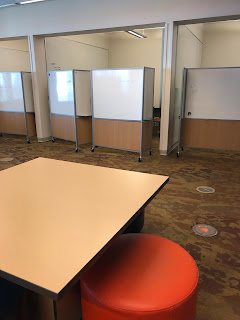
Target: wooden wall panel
pixel 117 134
pixel 147 135
pixel 31 124
pixel 213 134
pixel 14 123
pixel 64 128
pixel 84 125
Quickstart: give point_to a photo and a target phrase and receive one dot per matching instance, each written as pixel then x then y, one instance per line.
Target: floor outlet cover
pixel 6 159
pixel 204 230
pixel 205 189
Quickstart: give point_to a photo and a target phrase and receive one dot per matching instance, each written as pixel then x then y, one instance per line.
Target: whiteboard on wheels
pixel 11 93
pixel 213 94
pixel 118 94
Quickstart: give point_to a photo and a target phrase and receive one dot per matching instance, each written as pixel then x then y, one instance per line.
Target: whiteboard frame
pixel 75 116
pixel 142 111
pixel 183 101
pixel 113 69
pixel 49 100
pixel 24 104
pixel 75 111
pixel 81 115
pixel 141 137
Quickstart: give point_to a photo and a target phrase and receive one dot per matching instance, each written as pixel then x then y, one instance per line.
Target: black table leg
pixel 55 309
pixel 137 224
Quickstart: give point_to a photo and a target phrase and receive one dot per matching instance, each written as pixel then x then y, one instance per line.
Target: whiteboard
pixel 213 94
pixel 83 93
pixel 60 91
pixel 28 93
pixel 11 94
pixel 149 75
pixel 117 94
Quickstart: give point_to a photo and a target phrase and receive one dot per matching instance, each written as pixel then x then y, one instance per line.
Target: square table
pixel 58 217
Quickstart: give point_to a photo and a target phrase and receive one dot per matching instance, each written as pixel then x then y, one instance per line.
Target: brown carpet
pixel 176 208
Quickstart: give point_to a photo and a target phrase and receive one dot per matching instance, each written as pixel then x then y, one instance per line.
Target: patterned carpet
pixel 176 208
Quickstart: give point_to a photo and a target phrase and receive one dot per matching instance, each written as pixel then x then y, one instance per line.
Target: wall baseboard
pixel 163 153
pixel 166 152
pixel 44 139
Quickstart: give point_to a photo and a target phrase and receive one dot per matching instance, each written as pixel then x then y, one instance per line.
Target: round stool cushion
pixel 141 277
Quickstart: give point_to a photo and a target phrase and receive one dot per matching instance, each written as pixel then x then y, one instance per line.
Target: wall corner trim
pixel 166 152
pixel 163 153
pixel 44 139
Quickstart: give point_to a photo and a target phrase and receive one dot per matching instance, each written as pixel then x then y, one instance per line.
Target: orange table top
pixel 56 216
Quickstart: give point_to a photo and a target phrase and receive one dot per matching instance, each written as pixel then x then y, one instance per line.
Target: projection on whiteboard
pixel 61 98
pixel 64 85
pixel 11 95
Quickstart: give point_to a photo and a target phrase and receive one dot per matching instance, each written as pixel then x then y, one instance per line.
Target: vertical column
pixel 167 109
pixel 40 89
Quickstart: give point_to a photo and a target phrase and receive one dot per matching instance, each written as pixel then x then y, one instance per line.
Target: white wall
pixel 14 56
pixel 197 30
pixel 77 52
pixel 15 44
pixel 100 40
pixel 221 45
pixel 131 52
pixel 57 16
pixel 189 50
pixel 189 55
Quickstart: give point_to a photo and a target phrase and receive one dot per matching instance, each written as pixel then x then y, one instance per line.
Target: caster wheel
pixel 92 149
pixel 150 152
pixel 182 148
pixel 177 154
pixel 76 149
pixel 53 140
pixel 28 141
pixel 139 159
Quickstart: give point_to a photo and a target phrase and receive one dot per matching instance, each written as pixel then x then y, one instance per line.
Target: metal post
pixel 140 158
pixel 75 111
pixel 24 107
pixel 93 146
pixel 49 102
pixel 152 108
pixel 161 77
pixel 181 116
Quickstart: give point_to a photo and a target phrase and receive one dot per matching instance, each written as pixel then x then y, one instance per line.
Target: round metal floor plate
pixel 204 189
pixel 204 230
pixel 6 159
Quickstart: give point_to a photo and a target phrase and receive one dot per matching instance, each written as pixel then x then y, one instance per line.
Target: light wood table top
pixel 56 216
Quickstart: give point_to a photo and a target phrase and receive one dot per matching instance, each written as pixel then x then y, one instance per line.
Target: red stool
pixel 141 277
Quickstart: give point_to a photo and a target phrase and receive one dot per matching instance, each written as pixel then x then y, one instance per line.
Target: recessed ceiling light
pixel 137 34
pixel 30 1
pixel 7 5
